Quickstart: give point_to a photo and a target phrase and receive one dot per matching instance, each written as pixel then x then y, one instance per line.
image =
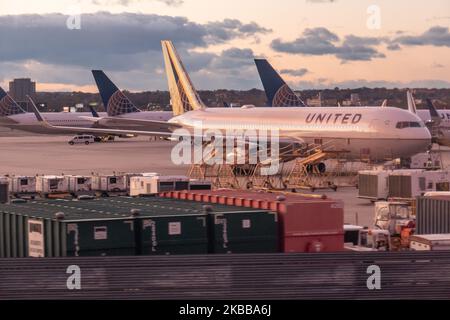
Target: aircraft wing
pixel 156 125
pixel 92 119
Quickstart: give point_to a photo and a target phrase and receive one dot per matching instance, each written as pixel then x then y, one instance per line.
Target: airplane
pixel 14 117
pixel 275 88
pixel 376 134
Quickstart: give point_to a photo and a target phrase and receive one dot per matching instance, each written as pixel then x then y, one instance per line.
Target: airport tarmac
pixel 24 154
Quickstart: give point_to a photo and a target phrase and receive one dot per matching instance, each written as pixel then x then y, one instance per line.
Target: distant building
pixel 315 102
pixel 355 100
pixel 19 89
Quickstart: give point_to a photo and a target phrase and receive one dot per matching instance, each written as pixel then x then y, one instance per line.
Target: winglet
pixel 93 111
pixel 384 104
pixel 36 111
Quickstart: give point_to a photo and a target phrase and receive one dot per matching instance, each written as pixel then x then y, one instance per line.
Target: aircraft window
pixel 407 124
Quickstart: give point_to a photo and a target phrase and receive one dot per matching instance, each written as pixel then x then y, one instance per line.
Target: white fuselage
pixel 363 132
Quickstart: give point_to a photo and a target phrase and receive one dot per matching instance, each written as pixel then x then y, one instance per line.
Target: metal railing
pixel 403 275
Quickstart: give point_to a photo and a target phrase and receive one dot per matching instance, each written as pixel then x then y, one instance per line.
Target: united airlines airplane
pixel 279 94
pixel 14 117
pixel 363 132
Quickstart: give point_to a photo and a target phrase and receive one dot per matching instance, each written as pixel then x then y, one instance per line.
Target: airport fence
pixel 401 275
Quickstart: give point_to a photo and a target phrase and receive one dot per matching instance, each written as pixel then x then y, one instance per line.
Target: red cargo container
pixel 311 226
pixel 308 223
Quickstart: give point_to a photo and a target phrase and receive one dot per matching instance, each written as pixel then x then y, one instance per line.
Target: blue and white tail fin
pixel 8 107
pixel 115 102
pixel 183 95
pixel 433 111
pixel 277 91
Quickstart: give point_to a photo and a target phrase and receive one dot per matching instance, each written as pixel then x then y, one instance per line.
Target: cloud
pixel 126 3
pixel 231 68
pixel 295 72
pixel 109 40
pixel 126 46
pixel 438 65
pixel 435 36
pixel 321 41
pixel 394 47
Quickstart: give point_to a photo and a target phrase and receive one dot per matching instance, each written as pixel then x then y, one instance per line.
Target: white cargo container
pixel 148 185
pixel 112 183
pixel 128 176
pixel 373 184
pixel 412 183
pixel 52 184
pixel 79 183
pixel 430 242
pixel 22 184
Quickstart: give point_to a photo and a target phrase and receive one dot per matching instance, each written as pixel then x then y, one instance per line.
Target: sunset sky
pixel 314 43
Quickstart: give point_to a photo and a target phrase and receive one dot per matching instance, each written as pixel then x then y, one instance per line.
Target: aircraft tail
pixel 277 91
pixel 8 107
pixel 115 102
pixel 411 102
pixel 183 95
pixel 433 111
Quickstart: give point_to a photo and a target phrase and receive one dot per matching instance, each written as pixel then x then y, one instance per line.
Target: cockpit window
pixel 408 124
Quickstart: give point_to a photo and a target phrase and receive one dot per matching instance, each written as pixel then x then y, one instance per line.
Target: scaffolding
pixel 299 167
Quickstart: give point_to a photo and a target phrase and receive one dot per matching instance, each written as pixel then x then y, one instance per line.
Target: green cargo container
pixel 113 226
pixel 33 229
pixel 243 232
pixel 165 227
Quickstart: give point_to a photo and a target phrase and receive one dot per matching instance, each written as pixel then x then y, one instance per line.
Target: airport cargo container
pixel 430 242
pixel 39 229
pixel 51 184
pixel 174 234
pixel 79 184
pixel 151 185
pixel 162 226
pixel 306 222
pixel 4 191
pixel 230 228
pixel 129 175
pixel 311 225
pixel 373 184
pixel 243 232
pixel 413 183
pixel 109 183
pixel 22 184
pixel 433 215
